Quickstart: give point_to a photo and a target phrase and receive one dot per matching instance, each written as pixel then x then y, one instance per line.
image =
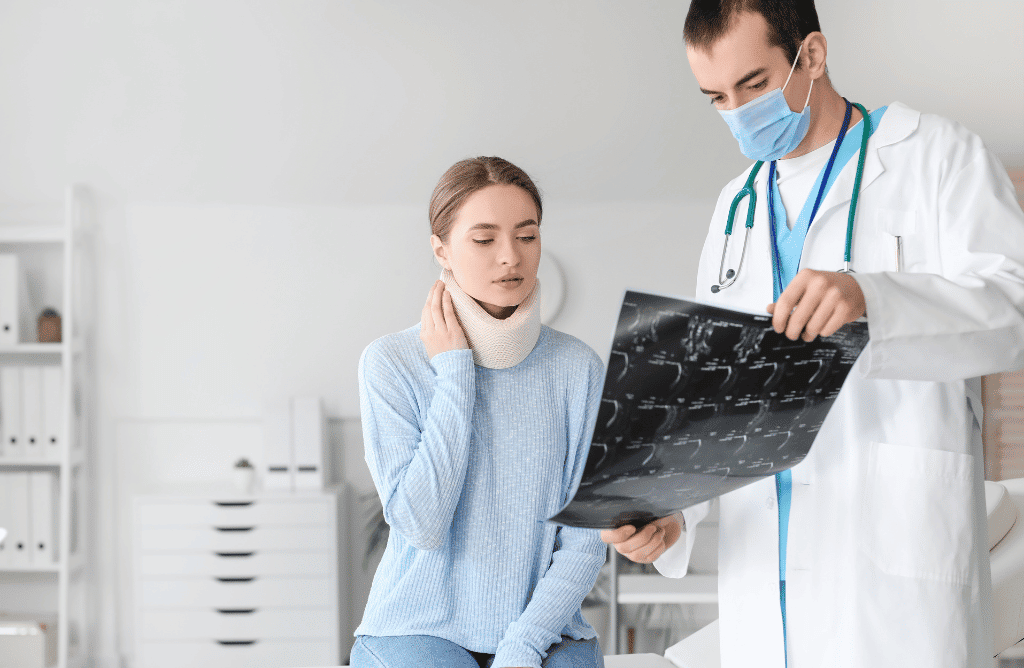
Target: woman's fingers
pixel 436 309
pixel 440 330
pixel 452 321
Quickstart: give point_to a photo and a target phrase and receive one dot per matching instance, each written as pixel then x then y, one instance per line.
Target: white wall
pixel 262 168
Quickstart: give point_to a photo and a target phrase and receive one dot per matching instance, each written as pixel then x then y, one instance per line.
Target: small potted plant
pixel 244 475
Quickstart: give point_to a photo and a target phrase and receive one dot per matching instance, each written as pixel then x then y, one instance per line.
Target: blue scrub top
pixel 790 246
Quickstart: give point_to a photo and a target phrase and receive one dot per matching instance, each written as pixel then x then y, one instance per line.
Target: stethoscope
pixel 731 275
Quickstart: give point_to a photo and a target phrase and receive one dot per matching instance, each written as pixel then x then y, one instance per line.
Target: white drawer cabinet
pixel 235 538
pixel 238 564
pixel 254 581
pixel 237 654
pixel 235 623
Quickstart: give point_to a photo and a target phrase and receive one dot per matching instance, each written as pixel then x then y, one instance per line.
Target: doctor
pixel 872 551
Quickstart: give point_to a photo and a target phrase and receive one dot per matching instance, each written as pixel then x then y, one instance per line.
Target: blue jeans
pixel 431 652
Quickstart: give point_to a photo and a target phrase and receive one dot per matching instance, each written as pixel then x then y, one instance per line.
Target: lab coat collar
pixel 898 123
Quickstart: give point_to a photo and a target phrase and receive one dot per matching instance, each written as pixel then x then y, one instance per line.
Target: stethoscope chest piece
pixel 727 277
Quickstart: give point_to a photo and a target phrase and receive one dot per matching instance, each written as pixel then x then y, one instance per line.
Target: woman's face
pixel 493 248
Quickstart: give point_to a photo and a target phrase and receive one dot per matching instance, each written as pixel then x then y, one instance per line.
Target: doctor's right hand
pixel 440 330
pixel 649 543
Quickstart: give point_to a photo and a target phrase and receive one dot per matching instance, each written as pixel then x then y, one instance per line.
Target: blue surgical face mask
pixel 766 128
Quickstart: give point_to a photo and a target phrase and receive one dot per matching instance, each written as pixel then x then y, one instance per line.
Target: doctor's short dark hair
pixel 789 22
pixel 465 178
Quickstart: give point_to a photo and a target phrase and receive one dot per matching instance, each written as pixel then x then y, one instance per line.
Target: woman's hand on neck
pixel 440 330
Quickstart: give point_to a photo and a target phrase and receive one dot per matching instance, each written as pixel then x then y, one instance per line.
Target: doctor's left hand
pixel 817 303
pixel 649 543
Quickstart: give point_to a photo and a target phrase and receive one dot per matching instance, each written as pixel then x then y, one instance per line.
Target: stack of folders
pixel 31 420
pixel 295 436
pixel 28 510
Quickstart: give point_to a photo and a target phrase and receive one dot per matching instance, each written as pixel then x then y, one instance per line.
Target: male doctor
pixel 872 551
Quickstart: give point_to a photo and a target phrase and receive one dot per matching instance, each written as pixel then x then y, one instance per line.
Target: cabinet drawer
pixel 257 592
pixel 260 654
pixel 236 538
pixel 245 623
pixel 293 564
pixel 219 513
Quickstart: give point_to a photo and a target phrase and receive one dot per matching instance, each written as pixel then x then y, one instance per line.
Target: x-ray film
pixel 698 401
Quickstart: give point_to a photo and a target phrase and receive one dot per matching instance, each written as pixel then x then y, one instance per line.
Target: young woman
pixel 477 423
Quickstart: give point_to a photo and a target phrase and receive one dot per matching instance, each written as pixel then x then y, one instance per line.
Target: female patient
pixel 477 423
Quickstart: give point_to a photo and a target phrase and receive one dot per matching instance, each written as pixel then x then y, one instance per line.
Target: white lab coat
pixel 887 562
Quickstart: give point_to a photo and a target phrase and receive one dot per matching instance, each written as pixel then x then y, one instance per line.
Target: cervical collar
pixel 496 344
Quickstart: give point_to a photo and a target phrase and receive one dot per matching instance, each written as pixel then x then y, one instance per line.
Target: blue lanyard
pixel 776 254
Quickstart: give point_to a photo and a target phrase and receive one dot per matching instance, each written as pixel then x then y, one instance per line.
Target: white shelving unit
pixel 54 257
pixel 698 588
pixel 694 589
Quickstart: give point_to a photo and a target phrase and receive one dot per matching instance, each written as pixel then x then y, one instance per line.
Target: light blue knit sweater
pixel 468 462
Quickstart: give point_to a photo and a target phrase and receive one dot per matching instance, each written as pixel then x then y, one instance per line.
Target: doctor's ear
pixel 440 252
pixel 814 55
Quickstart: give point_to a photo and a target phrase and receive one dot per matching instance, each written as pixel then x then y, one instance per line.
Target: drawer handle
pixel 234 554
pixel 220 579
pixel 234 528
pixel 235 611
pixel 236 643
pixel 233 504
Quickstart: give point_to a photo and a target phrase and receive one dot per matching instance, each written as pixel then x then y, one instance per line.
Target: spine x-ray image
pixel 699 401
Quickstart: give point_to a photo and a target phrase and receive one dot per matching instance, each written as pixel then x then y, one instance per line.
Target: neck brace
pixel 496 344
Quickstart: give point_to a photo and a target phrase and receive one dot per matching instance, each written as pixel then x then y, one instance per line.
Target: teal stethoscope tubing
pixel 726 279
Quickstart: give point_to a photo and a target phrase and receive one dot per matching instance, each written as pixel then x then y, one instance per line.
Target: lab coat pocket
pixel 897 230
pixel 915 521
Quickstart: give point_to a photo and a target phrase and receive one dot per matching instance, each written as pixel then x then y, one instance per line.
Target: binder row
pixel 28 510
pixel 31 420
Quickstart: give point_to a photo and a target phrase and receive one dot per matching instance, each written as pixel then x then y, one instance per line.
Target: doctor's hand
pixel 440 330
pixel 649 543
pixel 817 303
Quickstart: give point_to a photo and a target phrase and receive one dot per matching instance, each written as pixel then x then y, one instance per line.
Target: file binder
pixel 43 517
pixel 32 412
pixel 6 519
pixel 277 447
pixel 9 323
pixel 10 412
pixel 308 429
pixel 18 531
pixel 53 415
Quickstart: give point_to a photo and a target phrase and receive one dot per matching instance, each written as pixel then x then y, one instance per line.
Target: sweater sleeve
pixel 578 553
pixel 417 455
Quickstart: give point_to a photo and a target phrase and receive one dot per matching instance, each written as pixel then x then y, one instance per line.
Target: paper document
pixel 698 401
